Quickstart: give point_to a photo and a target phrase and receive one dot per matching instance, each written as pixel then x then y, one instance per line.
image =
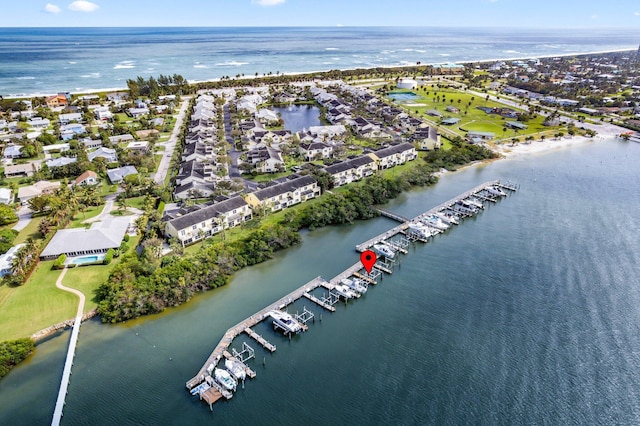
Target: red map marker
pixel 368 259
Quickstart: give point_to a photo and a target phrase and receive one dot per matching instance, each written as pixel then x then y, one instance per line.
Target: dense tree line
pixel 146 284
pixel 143 286
pixel 163 85
pixel 13 352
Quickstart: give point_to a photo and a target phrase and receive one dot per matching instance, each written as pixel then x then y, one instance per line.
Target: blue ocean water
pixel 48 60
pixel 526 314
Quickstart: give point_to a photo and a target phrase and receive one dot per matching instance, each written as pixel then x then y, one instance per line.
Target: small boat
pixel 355 285
pixel 384 250
pixel 285 321
pixel 494 190
pixel 344 291
pixel 474 202
pixel 202 387
pixel 449 220
pixel 435 222
pixel 224 378
pixel 461 208
pixel 469 205
pixel 236 369
pixel 420 230
pixel 452 216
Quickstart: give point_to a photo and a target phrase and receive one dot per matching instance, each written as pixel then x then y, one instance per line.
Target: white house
pixel 6 196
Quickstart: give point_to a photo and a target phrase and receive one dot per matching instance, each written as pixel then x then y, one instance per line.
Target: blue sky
pixel 509 13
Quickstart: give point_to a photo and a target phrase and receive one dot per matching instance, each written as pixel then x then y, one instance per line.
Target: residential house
pixel 88 178
pixel 352 170
pixel 394 155
pixel 286 194
pixel 315 150
pixel 102 236
pixel 118 175
pixel 194 189
pixel 17 170
pixel 208 220
pixel 6 260
pixel 39 123
pixel 108 154
pixel 138 112
pixel 121 138
pixel 266 160
pixel 138 146
pixel 69 131
pixel 103 113
pixel 91 143
pixel 60 161
pixel 57 101
pixel 266 116
pixel 336 131
pixel 426 138
pixel 68 118
pixel 26 193
pixel 6 196
pixel 12 151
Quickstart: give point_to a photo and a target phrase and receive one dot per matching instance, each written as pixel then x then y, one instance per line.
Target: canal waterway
pixel 526 314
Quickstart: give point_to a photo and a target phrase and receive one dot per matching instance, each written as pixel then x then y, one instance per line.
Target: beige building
pixel 394 155
pixel 286 194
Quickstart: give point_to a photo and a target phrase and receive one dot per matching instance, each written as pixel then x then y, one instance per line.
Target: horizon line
pixel 329 26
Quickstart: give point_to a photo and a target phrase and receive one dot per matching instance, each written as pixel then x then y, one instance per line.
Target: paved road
pixel 66 373
pixel 170 145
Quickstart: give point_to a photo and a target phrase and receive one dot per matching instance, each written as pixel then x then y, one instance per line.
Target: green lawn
pixel 36 305
pixel 30 231
pixel 471 118
pixel 77 220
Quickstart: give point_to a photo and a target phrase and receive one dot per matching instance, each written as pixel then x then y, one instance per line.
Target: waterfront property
pixel 394 155
pixel 102 236
pixel 195 223
pixel 396 240
pixel 6 260
pixel 353 170
pixel 286 194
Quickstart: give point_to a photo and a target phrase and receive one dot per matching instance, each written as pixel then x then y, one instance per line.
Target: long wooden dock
pixel 221 350
pixel 403 226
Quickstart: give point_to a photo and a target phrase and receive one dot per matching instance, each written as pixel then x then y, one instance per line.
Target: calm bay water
pixel 48 60
pixel 526 314
pixel 299 117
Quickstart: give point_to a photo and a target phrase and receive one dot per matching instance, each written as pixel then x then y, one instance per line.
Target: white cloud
pixel 83 6
pixel 267 2
pixel 636 13
pixel 595 16
pixel 52 8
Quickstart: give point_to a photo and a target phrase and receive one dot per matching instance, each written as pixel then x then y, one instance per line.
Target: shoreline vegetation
pixel 142 286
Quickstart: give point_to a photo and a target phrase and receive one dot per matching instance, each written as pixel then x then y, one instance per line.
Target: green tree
pixel 7 215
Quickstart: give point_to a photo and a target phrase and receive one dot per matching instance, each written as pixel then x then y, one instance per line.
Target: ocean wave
pixel 200 66
pixel 231 64
pixel 444 54
pixel 72 62
pixel 25 78
pixel 91 75
pixel 510 51
pixel 332 48
pixel 124 65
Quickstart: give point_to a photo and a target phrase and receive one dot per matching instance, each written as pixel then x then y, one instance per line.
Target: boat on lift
pixel 384 250
pixel 285 321
pixel 236 369
pixel 354 284
pixel 435 222
pixel 344 291
pixel 448 219
pixel 420 230
pixel 475 202
pixel 224 378
pixel 495 191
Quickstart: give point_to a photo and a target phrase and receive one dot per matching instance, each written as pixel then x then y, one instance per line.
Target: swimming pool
pixel 87 259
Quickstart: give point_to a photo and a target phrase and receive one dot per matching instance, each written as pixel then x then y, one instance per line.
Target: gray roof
pixel 59 162
pixel 284 187
pixel 208 212
pixel 394 149
pixel 103 152
pixel 348 164
pixel 116 175
pixel 100 237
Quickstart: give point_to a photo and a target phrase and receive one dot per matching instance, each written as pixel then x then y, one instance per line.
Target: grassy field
pixel 471 118
pixel 31 231
pixel 36 305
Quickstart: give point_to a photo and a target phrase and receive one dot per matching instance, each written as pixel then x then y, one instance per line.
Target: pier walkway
pixel 247 323
pixel 221 350
pixel 402 227
pixel 71 351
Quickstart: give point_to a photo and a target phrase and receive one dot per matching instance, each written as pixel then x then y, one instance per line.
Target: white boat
pixel 285 321
pixel 202 387
pixel 461 208
pixel 449 220
pixel 420 230
pixel 384 250
pixel 435 222
pixel 344 291
pixel 469 205
pixel 453 217
pixel 474 202
pixel 355 285
pixel 224 378
pixel 494 190
pixel 236 369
